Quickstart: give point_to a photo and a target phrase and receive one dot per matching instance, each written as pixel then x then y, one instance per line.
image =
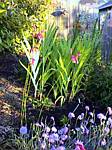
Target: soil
pixel 10 91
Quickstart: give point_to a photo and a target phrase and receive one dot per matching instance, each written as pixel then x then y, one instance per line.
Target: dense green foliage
pixel 99 85
pixel 19 16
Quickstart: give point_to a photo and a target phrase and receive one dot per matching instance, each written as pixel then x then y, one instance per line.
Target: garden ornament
pixel 59 12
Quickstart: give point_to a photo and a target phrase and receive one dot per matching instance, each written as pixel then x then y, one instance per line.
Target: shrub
pixel 99 85
pixel 19 17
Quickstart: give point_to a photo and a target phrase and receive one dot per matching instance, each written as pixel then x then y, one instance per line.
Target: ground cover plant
pixel 57 71
pixel 90 131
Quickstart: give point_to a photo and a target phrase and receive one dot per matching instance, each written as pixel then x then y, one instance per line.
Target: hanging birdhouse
pixel 58 12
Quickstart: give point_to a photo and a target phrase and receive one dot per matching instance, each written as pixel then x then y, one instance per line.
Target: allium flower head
pixel 91 114
pixel 38 125
pixel 103 142
pixel 47 129
pixel 53 137
pixel 92 121
pixel 109 122
pixel 81 116
pixel 106 130
pixel 52 118
pixel 87 108
pixel 54 129
pixel 43 145
pixel 101 116
pixel 60 148
pixel 45 136
pixel 109 109
pixel 64 137
pixel 42 124
pixel 63 130
pixel 53 147
pixel 23 130
pixel 71 115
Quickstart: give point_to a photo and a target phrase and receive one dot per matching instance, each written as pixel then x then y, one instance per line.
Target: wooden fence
pixel 106 41
pixel 66 22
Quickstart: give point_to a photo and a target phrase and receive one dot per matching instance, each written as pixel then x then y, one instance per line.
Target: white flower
pixel 23 130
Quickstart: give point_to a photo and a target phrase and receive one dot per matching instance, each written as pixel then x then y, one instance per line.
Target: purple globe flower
pixel 103 142
pixel 63 130
pixel 53 137
pixel 60 148
pixel 45 136
pixel 80 117
pixel 43 145
pixel 54 129
pixel 53 147
pixel 101 116
pixel 71 115
pixel 109 109
pixel 23 130
pixel 106 130
pixel 47 129
pixel 64 137
pixel 87 108
pixel 91 114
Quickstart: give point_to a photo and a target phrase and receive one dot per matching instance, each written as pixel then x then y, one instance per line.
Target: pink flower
pixel 78 54
pixel 32 61
pixel 74 58
pixel 40 36
pixel 79 145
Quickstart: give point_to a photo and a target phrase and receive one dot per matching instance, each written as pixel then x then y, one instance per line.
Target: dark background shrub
pixel 99 85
